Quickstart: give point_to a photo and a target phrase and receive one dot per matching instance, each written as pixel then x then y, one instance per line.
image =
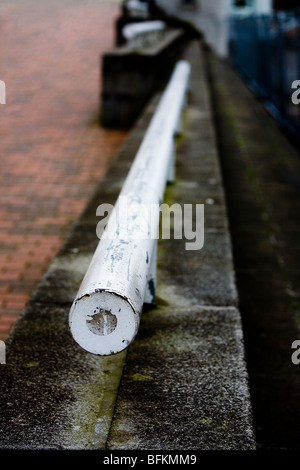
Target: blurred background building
pixel 211 16
pixel 261 38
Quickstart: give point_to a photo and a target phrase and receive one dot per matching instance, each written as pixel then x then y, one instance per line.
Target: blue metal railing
pixel 266 50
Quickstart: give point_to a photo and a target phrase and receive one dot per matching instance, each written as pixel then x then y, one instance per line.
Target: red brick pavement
pixel 52 151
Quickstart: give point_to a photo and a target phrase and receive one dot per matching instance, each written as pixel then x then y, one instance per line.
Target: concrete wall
pixel 131 75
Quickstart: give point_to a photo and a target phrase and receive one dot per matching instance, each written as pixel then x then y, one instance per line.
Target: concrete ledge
pixel 130 76
pixel 183 383
pixel 183 387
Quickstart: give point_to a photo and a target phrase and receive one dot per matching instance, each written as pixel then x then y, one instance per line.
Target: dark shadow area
pixel 261 171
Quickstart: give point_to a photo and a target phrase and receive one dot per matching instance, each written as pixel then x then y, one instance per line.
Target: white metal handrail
pixel 105 315
pixel 131 30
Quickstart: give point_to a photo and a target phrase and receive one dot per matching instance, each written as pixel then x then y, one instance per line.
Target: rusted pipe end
pixel 103 323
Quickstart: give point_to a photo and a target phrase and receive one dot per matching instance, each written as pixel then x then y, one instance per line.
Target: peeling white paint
pixel 121 275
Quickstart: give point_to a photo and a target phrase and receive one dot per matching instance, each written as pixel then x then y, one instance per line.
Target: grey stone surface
pixel 54 395
pixel 184 383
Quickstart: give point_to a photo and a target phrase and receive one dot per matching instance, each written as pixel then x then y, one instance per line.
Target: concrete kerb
pixel 187 363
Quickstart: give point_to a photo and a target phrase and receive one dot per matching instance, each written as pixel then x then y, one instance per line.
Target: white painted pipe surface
pixel 132 30
pixel 105 315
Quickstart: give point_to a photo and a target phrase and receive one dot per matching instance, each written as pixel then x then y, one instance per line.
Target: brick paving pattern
pixel 52 150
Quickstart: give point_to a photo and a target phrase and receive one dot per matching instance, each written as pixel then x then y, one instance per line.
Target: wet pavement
pixel 53 152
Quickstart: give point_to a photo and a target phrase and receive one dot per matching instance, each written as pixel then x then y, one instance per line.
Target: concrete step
pixel 261 171
pixel 183 383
